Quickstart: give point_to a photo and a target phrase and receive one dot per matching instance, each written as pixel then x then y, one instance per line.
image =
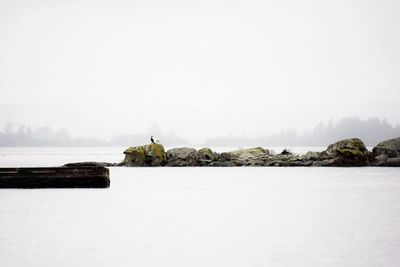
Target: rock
pixel 387 153
pixel 184 156
pixel 390 148
pixel 225 157
pixel 135 157
pixel 323 163
pixel 220 160
pixel 311 155
pixel 380 159
pixel 248 153
pixel 205 162
pixel 353 146
pixel 390 162
pixel 346 153
pixel 157 154
pixel 247 157
pixel 222 164
pixel 147 155
pixel 206 154
pixel 286 160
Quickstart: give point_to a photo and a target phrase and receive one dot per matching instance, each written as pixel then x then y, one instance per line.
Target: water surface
pixel 209 217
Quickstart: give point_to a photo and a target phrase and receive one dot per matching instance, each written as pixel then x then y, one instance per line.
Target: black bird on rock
pixel 152 140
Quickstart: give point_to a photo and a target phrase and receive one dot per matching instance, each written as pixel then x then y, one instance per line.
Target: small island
pixel 345 153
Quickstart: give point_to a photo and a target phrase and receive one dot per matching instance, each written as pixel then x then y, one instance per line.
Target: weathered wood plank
pixel 56 177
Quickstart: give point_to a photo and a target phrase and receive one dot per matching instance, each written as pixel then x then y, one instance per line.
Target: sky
pixel 197 68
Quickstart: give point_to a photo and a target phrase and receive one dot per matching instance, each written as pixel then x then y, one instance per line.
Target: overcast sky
pixel 201 68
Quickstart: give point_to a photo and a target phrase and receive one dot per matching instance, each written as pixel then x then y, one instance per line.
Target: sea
pixel 193 216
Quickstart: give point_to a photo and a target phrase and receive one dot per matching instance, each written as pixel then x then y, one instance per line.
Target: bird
pixel 152 140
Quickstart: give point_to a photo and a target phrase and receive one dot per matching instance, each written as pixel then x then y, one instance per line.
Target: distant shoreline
pixel 371 131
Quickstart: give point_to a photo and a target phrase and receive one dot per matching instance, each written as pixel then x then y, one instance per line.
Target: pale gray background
pixel 199 69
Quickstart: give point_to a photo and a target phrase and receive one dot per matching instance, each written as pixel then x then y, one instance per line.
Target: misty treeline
pixel 371 131
pixel 13 135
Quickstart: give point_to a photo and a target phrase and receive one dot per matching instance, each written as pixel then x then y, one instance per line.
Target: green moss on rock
pixel 348 152
pixel 156 151
pixel 206 153
pixel 147 155
pixel 248 153
pixel 346 145
pixel 389 148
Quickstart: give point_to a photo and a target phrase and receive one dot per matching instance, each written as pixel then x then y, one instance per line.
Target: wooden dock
pixel 55 177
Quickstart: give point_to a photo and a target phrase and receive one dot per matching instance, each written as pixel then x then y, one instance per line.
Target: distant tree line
pixel 371 131
pixel 22 135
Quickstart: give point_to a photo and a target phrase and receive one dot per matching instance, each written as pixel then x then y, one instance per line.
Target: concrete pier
pixel 55 177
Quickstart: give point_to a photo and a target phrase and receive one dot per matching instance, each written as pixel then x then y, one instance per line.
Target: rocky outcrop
pixel 249 153
pixel 147 155
pixel 248 157
pixel 387 153
pixel 206 156
pixel 206 153
pixel 287 160
pixel 183 156
pixel 311 156
pixel 345 153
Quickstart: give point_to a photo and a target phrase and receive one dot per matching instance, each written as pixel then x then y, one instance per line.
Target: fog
pixel 197 70
pixel 371 131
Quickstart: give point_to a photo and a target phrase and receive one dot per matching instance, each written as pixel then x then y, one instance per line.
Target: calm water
pixel 203 217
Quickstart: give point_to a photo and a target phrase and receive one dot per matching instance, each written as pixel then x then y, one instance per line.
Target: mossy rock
pixel 182 156
pixel 348 152
pixel 312 155
pixel 389 148
pixel 206 153
pixel 135 156
pixel 147 155
pixel 346 145
pixel 157 154
pixel 249 153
